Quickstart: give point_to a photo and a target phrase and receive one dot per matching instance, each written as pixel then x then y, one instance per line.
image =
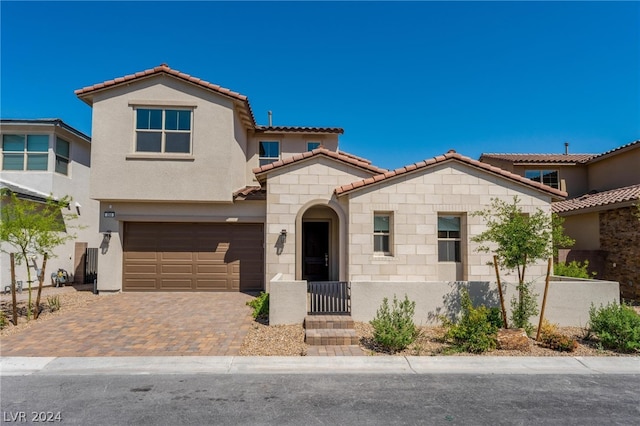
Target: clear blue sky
pixel 406 81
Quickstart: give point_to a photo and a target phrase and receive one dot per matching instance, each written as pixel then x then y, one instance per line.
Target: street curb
pixel 24 366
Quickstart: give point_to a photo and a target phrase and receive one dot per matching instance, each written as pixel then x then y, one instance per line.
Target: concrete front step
pixel 342 350
pixel 327 337
pixel 317 322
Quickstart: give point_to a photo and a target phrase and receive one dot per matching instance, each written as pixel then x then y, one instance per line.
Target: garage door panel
pixel 176 284
pixel 193 256
pixel 177 269
pixel 140 284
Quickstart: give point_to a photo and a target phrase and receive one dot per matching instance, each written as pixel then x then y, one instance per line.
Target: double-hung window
pixel 269 152
pixel 449 238
pixel 62 156
pixel 382 233
pixel 163 130
pixel 546 177
pixel 25 152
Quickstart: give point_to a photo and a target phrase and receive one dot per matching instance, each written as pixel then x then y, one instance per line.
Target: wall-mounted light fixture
pixel 283 235
pixel 106 237
pixel 78 207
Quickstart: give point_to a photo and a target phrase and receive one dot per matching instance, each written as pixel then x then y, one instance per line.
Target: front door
pixel 315 251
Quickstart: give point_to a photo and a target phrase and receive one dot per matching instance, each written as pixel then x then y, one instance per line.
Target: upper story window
pixel 382 233
pixel 312 145
pixel 62 156
pixel 449 238
pixel 25 152
pixel 163 130
pixel 546 177
pixel 269 152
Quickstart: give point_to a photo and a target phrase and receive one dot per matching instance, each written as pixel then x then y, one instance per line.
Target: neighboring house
pixel 44 157
pixel 196 196
pixel 599 213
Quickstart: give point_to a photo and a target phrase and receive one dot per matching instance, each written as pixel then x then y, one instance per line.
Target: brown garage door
pixel 193 257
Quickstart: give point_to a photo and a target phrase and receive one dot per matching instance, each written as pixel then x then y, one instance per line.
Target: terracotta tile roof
pixel 451 155
pixel 539 158
pixel 299 129
pixel 165 69
pixel 250 193
pixel 319 152
pixel 355 157
pixel 634 144
pixel 598 199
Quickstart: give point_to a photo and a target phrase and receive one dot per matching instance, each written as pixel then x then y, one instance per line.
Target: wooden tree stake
pixel 13 289
pixel 40 281
pixel 544 298
pixel 504 311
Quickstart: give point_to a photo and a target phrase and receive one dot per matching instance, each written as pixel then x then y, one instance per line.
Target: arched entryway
pixel 319 244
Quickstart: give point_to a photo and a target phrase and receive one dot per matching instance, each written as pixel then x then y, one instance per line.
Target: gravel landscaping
pixel 288 340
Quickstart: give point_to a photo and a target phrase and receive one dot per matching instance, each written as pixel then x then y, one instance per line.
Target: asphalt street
pixel 323 399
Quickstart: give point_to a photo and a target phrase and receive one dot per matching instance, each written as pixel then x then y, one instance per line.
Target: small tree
pixel 33 229
pixel 519 240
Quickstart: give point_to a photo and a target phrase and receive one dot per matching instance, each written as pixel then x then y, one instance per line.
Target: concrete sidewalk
pixel 22 366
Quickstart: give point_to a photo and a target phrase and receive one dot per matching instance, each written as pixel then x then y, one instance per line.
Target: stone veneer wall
pixel 620 237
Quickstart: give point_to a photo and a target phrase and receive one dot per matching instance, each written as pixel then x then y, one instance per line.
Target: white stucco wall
pixel 414 201
pixel 75 184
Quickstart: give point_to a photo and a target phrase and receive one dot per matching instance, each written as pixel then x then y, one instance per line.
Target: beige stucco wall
pixel 574 178
pixel 214 169
pixel 110 257
pixel 290 144
pixel 616 171
pixel 584 229
pixel 414 201
pixel 568 301
pixel 293 190
pixel 75 184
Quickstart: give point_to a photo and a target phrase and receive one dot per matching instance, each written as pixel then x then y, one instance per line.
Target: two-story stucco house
pixel 198 197
pixel 44 157
pixel 600 212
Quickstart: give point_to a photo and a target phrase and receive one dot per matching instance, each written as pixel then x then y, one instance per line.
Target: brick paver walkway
pixel 335 350
pixel 141 324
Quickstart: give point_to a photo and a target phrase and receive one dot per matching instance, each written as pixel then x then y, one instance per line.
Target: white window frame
pixel 25 152
pixel 163 130
pixel 58 155
pixel 540 177
pixel 448 238
pixel 317 144
pixel 388 234
pixel 263 160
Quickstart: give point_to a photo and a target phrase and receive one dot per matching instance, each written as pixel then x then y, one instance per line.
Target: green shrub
pixel 260 306
pixel 3 320
pixel 617 326
pixel 524 307
pixel 494 315
pixel 476 330
pixel 394 328
pixel 573 269
pixel 54 303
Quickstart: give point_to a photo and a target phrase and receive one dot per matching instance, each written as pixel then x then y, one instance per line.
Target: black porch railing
pixel 329 297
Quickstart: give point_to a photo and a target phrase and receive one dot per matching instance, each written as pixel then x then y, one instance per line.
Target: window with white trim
pixel 382 233
pixel 62 156
pixel 449 238
pixel 546 177
pixel 269 152
pixel 312 145
pixel 163 130
pixel 25 152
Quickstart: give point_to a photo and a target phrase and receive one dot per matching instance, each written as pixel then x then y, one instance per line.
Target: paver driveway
pixel 140 324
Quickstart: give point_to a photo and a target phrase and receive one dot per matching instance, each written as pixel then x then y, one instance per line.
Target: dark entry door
pixel 315 251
